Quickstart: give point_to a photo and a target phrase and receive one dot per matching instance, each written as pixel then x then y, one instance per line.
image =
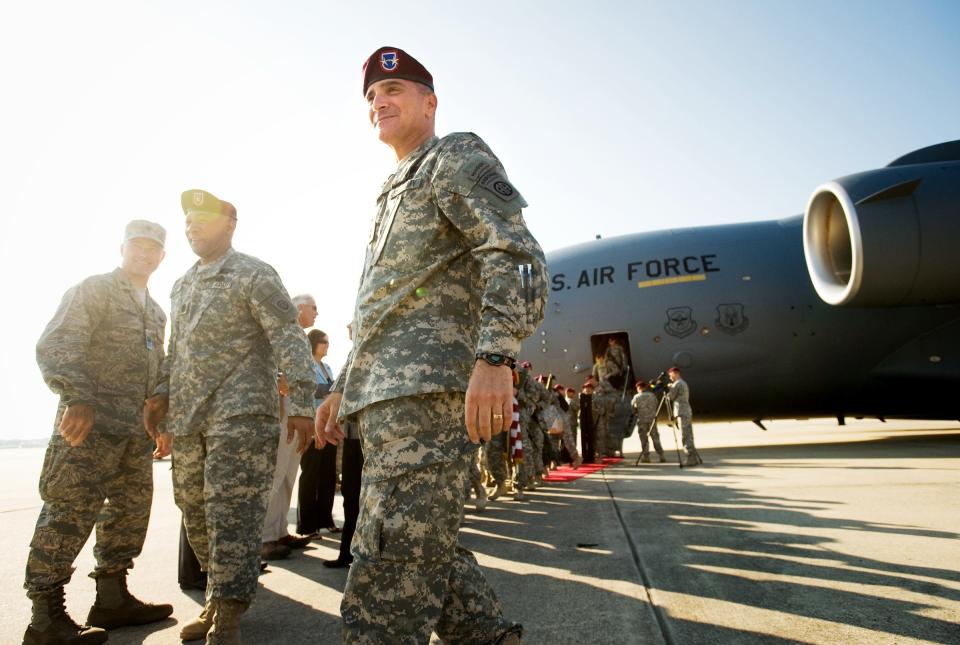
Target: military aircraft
pixel 851 309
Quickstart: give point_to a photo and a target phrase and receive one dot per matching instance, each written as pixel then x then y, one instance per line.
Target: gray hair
pixel 303 299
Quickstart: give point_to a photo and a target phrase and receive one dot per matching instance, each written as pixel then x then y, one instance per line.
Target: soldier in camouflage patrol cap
pixel 101 354
pixel 440 314
pixel 232 325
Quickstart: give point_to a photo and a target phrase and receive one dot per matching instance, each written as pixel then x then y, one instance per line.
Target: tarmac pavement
pixel 807 533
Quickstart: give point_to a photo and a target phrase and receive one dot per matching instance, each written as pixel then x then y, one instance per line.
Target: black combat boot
pixel 50 624
pixel 116 607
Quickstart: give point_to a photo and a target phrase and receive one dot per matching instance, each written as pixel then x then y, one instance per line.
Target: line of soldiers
pixel 440 315
pixel 539 411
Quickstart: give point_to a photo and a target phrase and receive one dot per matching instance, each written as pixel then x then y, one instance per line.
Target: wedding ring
pixel 498 417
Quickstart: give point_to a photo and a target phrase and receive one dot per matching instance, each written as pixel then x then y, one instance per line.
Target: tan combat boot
pixel 115 606
pixel 197 628
pixel 510 637
pixel 481 503
pixel 226 622
pixel 51 624
pixel 500 490
pixel 693 459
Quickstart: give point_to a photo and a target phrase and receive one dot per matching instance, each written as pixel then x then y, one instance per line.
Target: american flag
pixel 516 445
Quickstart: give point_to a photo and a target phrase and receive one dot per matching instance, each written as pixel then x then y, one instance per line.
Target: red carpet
pixel 566 473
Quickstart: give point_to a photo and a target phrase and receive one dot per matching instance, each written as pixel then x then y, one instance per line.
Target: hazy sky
pixel 610 118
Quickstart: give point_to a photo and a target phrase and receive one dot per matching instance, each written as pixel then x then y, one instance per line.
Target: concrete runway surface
pixel 807 533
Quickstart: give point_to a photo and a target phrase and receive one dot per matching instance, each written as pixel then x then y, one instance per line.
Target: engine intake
pixel 888 237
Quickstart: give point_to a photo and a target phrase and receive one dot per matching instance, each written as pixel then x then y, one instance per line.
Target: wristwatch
pixel 497 359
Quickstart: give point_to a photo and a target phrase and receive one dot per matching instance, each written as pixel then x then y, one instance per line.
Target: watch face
pixel 494 359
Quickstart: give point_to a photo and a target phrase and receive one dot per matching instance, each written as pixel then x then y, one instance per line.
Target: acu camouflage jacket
pixel 450 270
pixel 104 348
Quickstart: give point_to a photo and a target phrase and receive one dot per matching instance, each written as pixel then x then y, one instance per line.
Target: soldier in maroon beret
pixel 429 375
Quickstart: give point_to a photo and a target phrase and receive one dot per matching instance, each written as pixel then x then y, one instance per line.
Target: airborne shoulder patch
pixel 272 298
pixel 487 175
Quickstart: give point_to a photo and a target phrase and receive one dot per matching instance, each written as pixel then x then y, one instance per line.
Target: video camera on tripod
pixel 660 385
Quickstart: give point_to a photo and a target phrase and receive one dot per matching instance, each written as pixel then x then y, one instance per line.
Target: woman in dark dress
pixel 318 467
pixel 586 423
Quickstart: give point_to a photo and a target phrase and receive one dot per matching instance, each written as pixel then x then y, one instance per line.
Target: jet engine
pixel 888 237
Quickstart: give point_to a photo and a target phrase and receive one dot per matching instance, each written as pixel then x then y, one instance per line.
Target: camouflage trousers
pixel 222 477
pixel 495 454
pixel 409 576
pixel 685 422
pixel 600 438
pixel 647 433
pixel 476 479
pixel 532 447
pixel 536 439
pixel 106 482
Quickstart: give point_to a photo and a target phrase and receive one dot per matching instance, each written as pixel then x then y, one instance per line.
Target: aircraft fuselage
pixel 733 306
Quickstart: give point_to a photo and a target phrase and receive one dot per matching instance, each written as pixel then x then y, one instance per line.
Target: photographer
pixel 679 396
pixel 644 406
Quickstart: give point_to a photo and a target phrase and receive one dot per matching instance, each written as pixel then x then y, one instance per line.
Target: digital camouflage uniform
pixel 604 402
pixel 558 419
pixel 495 453
pixel 104 349
pixel 615 365
pixel 568 439
pixel 533 398
pixel 440 283
pixel 644 406
pixel 679 395
pixel 232 325
pixel 573 415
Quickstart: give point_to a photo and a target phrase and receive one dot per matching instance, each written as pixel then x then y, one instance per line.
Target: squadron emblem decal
pixel 389 61
pixel 680 322
pixel 730 318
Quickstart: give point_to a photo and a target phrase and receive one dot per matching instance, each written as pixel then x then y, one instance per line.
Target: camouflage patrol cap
pixel 391 62
pixel 141 228
pixel 200 201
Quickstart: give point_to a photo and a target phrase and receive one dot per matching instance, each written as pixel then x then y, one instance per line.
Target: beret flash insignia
pixel 389 61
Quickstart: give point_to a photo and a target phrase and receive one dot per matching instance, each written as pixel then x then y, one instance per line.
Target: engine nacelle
pixel 888 237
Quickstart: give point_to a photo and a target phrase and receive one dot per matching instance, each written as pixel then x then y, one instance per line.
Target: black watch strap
pixel 497 359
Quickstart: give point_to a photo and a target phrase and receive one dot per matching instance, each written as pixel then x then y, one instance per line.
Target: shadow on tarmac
pixel 769 544
pixel 702 537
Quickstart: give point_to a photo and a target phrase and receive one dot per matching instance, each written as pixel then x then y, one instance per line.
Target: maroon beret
pixel 391 62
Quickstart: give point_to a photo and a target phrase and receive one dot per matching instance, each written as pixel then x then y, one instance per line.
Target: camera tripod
pixel 673 424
